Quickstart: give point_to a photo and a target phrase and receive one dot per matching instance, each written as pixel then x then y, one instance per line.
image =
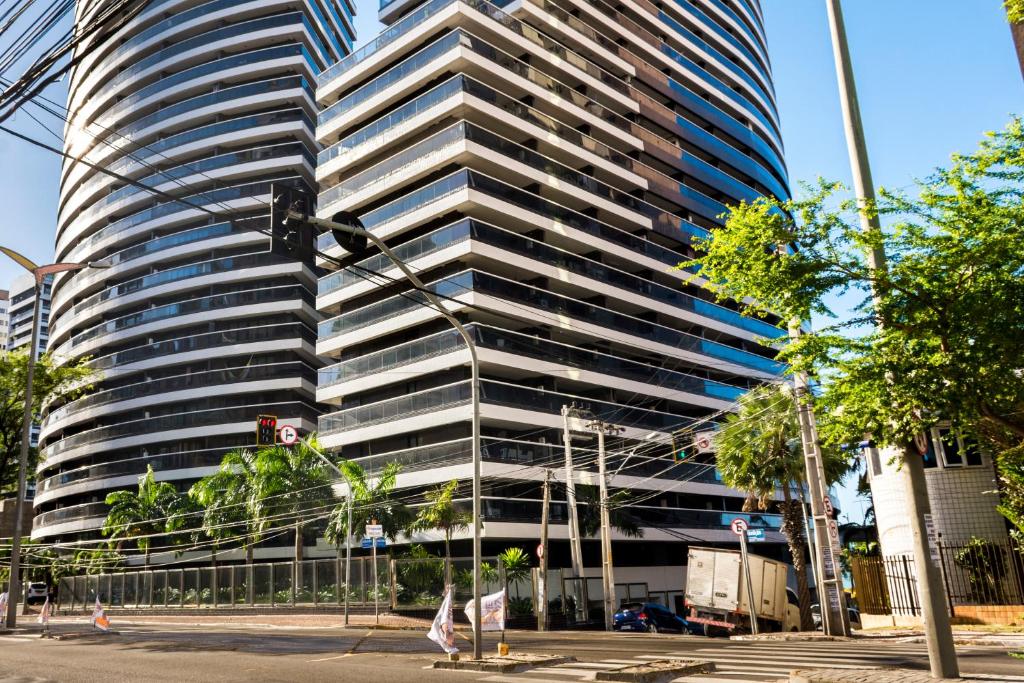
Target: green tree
pixel 441 513
pixel 227 497
pixel 52 383
pixel 141 514
pixel 290 481
pixel 944 338
pixel 588 504
pixel 757 451
pixel 372 500
pixel 516 564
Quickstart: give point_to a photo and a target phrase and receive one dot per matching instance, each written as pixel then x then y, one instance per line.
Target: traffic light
pixel 682 444
pixel 266 430
pixel 290 237
pixel 354 244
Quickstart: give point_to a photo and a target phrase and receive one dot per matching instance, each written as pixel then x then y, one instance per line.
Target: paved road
pixel 159 653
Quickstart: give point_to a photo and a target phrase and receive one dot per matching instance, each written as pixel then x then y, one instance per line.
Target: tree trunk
pixel 793 527
pixel 298 545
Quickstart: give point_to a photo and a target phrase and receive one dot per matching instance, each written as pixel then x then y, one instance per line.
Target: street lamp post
pixel 39 273
pixel 355 228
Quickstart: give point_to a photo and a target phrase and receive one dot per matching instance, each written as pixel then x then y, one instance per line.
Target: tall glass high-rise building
pixel 544 165
pixel 195 328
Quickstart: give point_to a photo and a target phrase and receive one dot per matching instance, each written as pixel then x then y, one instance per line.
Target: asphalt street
pixel 157 652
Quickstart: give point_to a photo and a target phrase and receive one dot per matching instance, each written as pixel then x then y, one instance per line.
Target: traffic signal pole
pixel 363 233
pixel 938 631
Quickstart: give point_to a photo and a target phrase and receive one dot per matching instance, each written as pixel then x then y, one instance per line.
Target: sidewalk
pixel 1011 640
pixel 885 676
pixel 269 621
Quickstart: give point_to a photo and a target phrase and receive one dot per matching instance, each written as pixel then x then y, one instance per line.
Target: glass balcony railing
pixel 392 307
pixel 204 304
pixel 260 190
pixel 179 173
pixel 406 252
pixel 195 380
pixel 494 393
pixel 218 66
pixel 523 453
pixel 532 249
pixel 219 97
pixel 384 173
pixel 370 136
pixel 228 126
pixel 224 265
pixel 526 346
pixel 212 340
pixel 69 514
pixel 561 306
pixel 194 418
pixel 160 463
pixel 427 401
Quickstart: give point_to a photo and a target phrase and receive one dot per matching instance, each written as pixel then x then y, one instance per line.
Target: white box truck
pixel 716 592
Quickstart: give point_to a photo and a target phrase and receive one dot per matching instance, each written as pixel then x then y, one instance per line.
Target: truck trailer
pixel 716 592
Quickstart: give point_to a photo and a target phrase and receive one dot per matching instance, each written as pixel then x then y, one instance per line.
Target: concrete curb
pixel 657 671
pixel 511 664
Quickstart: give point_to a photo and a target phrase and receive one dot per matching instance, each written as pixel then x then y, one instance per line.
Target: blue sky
pixel 932 78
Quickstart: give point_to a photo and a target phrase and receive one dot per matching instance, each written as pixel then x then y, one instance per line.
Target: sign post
pixel 373 532
pixel 739 527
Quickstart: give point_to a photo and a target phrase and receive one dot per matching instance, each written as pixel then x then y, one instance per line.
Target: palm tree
pixel 140 515
pixel 588 500
pixel 441 513
pixel 371 501
pixel 227 497
pixel 288 483
pixel 758 452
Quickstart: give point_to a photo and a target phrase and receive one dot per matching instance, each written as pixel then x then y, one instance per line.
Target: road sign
pixel 367 543
pixel 829 510
pixel 540 550
pixel 755 534
pixel 833 530
pixel 374 531
pixel 739 525
pixel 703 442
pixel 288 434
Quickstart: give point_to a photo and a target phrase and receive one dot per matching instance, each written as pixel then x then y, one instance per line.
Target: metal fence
pixel 310 583
pixel 977 573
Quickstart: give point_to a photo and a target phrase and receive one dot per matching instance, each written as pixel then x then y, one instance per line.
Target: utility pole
pixel 938 632
pixel 834 618
pixel 570 494
pixel 607 566
pixel 542 571
pixel 39 274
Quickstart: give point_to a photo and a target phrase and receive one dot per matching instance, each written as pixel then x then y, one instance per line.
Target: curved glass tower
pixel 195 328
pixel 545 164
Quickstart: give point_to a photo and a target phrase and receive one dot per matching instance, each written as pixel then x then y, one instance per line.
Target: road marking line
pixel 589 673
pixel 788 653
pixel 713 677
pixel 519 678
pixel 787 662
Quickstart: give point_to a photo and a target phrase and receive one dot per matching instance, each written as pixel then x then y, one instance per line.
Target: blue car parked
pixel 650 617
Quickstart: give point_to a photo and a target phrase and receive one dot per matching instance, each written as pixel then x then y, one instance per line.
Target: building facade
pixel 19 313
pixel 544 165
pixel 5 318
pixel 194 328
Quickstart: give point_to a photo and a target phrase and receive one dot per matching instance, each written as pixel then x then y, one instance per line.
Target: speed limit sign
pixel 289 435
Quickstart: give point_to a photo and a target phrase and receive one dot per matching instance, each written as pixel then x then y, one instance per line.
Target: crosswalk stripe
pixel 514 678
pixel 716 677
pixel 789 662
pixel 765 652
pixel 564 672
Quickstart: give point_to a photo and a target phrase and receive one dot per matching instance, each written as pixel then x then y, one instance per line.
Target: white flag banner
pixel 99 618
pixel 442 631
pixel 492 616
pixel 44 614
